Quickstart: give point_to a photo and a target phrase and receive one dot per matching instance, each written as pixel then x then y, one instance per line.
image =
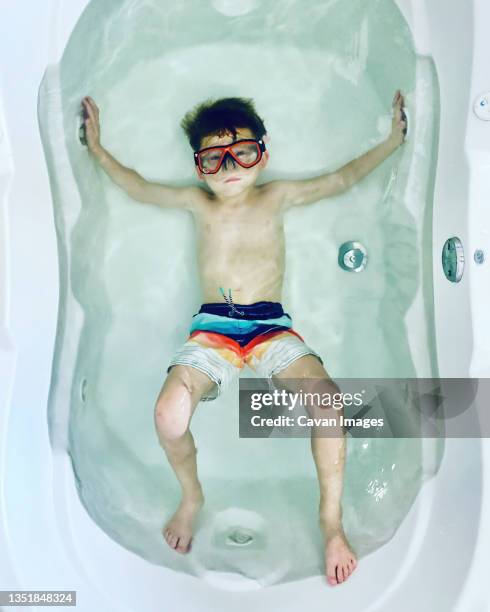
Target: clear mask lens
pixel 246 153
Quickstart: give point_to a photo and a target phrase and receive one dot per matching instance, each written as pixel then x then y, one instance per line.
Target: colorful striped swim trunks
pixel 224 338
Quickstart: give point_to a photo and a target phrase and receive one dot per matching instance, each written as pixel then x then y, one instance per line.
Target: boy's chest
pixel 253 227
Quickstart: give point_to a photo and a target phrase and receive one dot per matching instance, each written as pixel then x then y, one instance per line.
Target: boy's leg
pixel 285 356
pixel 329 456
pixel 181 392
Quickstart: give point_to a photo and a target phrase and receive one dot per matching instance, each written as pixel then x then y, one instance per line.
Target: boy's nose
pixel 227 157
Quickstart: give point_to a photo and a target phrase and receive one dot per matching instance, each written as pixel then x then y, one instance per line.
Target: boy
pixel 241 265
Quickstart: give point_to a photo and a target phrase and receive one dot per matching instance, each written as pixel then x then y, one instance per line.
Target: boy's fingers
pixel 91 114
pixel 95 112
pixel 90 103
pixel 95 108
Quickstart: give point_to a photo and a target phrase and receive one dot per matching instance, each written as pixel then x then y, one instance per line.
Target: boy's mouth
pixel 232 179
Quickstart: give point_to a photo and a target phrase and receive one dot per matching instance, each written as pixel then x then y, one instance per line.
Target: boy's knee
pixel 173 411
pixel 324 397
pixel 324 386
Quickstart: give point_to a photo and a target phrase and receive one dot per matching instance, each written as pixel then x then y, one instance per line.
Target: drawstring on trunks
pixel 230 303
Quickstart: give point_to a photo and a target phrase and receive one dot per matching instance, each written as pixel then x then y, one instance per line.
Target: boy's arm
pixel 129 180
pixel 142 190
pixel 300 193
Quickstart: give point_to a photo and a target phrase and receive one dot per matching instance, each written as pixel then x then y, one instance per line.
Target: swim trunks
pixel 222 339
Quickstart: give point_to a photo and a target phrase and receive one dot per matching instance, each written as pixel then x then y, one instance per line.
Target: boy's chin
pixel 225 193
pixel 232 186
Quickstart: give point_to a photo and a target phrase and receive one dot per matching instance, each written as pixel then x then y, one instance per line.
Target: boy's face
pixel 230 168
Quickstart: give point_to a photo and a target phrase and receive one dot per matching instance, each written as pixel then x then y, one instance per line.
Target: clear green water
pixel 322 74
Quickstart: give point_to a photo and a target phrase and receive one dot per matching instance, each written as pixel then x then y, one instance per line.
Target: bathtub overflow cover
pixel 453 259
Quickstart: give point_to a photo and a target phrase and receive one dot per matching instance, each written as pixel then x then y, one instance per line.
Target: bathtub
pixel 47 539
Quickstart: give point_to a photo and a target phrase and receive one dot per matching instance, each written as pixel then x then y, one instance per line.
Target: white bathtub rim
pixel 479 560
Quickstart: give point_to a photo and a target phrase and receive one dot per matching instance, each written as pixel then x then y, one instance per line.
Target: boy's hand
pixel 398 124
pixel 92 126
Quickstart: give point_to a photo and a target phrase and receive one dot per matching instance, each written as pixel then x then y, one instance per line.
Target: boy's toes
pixel 183 546
pixel 331 574
pixel 171 538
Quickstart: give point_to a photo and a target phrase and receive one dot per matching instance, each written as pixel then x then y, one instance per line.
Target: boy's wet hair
pixel 215 118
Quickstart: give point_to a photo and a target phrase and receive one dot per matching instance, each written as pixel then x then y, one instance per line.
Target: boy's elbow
pixel 345 180
pixel 136 188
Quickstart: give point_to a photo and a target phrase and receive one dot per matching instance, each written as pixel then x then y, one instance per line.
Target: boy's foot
pixel 178 531
pixel 340 561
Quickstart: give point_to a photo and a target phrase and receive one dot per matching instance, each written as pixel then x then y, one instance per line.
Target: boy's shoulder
pixel 273 192
pixel 273 189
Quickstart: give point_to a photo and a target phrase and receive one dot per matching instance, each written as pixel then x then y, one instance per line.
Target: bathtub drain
pixel 239 537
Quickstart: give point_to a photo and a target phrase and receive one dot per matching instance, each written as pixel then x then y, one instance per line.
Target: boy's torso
pixel 241 247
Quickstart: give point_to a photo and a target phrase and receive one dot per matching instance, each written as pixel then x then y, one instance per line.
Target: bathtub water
pixel 132 274
pixel 128 288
